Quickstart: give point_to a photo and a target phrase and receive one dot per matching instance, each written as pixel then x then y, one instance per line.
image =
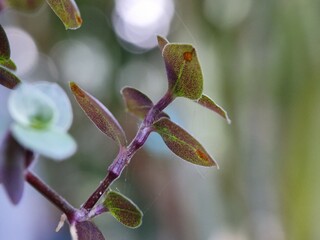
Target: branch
pixel 51 195
pixel 125 154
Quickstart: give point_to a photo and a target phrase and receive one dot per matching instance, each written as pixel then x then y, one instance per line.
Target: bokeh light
pixel 24 51
pixel 138 22
pixel 84 60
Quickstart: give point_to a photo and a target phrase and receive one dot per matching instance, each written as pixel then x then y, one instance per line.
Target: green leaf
pixel 26 5
pixel 138 103
pixel 8 79
pixel 85 230
pixel 99 114
pixel 8 63
pixel 4 44
pixel 183 70
pixel 207 102
pixel 67 11
pixel 123 209
pixel 28 106
pixel 52 143
pixel 182 143
pixel 12 165
pixel 162 42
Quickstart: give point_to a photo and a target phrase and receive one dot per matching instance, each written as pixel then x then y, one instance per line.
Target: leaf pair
pixel 177 139
pixel 185 75
pixel 7 78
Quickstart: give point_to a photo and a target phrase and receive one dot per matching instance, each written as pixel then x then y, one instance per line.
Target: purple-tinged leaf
pixel 8 79
pixel 30 157
pixel 8 63
pixel 67 11
pixel 25 5
pixel 123 209
pixel 183 70
pixel 162 42
pixel 4 44
pixel 12 157
pixel 85 231
pixel 138 103
pixel 182 143
pixel 207 102
pixel 99 114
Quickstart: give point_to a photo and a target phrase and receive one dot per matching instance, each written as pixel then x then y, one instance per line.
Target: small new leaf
pixel 4 44
pixel 99 114
pixel 67 11
pixel 137 103
pixel 183 70
pixel 207 102
pixel 123 209
pixel 8 79
pixel 12 164
pixel 182 143
pixel 85 231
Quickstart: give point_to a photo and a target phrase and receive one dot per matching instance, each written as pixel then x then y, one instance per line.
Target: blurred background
pixel 260 61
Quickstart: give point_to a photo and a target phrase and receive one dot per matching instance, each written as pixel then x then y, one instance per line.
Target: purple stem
pixel 51 195
pixel 125 154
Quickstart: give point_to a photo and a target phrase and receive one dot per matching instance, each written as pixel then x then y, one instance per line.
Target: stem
pixel 51 195
pixel 95 196
pixel 125 154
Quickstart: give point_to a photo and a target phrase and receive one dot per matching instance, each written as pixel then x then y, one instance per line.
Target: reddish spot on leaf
pixel 187 56
pixel 79 19
pixel 202 155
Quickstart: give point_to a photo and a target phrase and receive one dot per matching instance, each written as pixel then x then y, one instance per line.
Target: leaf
pixel 123 209
pixel 8 63
pixel 26 5
pixel 182 143
pixel 12 168
pixel 8 79
pixel 183 70
pixel 162 42
pixel 99 114
pixel 138 103
pixel 85 231
pixel 28 106
pixel 207 102
pixel 61 101
pixel 67 11
pixel 4 44
pixel 52 143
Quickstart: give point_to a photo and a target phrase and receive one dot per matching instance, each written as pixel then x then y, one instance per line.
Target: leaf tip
pixel 76 89
pixel 162 42
pixel 207 161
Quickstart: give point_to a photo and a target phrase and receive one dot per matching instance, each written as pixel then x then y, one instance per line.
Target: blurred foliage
pixel 260 60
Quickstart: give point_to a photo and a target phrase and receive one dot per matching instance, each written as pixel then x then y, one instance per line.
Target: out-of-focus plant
pixel 66 10
pixel 42 115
